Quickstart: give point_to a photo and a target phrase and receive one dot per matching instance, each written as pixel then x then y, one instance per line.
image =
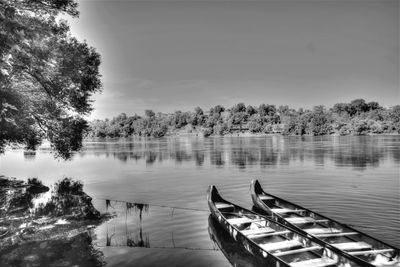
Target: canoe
pixel 272 242
pixel 233 252
pixel 338 236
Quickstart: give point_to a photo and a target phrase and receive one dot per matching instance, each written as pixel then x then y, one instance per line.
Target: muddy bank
pixel 43 227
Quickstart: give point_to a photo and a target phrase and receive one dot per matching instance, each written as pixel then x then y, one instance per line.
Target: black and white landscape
pixel 117 115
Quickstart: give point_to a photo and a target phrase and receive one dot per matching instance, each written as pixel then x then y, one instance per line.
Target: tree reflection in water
pixel 139 239
pixel 356 151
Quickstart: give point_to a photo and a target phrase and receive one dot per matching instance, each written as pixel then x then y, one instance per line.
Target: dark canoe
pixel 339 237
pixel 273 243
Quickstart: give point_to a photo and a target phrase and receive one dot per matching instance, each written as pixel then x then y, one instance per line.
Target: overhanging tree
pixel 46 76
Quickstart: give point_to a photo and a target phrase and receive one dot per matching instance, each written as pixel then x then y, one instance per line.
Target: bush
pixel 68 199
pixel 35 186
pixel 35 181
pixel 69 186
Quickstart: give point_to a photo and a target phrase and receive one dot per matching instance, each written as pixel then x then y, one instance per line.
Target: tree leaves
pixel 45 74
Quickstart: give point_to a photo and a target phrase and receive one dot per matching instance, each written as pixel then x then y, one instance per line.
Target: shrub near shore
pixel 355 118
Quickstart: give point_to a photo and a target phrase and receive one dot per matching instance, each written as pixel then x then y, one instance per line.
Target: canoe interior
pixel 266 238
pixel 334 233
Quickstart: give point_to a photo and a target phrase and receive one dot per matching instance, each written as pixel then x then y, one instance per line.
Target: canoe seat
pixel 285 210
pixel 352 245
pixel 302 220
pixel 318 262
pixel 370 252
pixel 257 231
pixel 328 232
pixel 294 251
pixel 281 245
pixel 243 220
pixel 269 234
pixel 222 205
pixel 264 197
pixel 336 234
pixel 320 231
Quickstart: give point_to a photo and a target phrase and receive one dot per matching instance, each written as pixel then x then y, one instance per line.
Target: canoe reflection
pixel 235 253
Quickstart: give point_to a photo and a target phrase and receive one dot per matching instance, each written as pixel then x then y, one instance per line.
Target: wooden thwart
pixel 243 220
pixel 352 245
pixel 294 251
pixel 337 234
pixel 269 234
pixel 239 220
pixel 301 220
pixel 328 232
pixel 366 252
pixel 264 197
pixel 319 262
pixel 319 231
pixel 221 205
pixel 286 210
pixel 257 231
pixel 280 245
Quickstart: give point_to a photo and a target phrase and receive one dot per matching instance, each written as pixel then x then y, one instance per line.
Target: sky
pixel 169 56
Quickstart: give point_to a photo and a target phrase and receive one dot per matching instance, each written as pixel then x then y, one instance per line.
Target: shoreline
pixel 236 134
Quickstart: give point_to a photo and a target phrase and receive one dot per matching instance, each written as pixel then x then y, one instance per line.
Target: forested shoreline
pixel 355 118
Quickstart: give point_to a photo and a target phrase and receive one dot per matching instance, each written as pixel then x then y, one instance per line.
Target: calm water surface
pixel 351 179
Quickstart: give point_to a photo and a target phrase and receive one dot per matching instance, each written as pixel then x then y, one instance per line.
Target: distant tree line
pixel 355 118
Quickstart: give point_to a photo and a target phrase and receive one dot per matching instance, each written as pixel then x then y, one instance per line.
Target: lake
pixel 354 180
